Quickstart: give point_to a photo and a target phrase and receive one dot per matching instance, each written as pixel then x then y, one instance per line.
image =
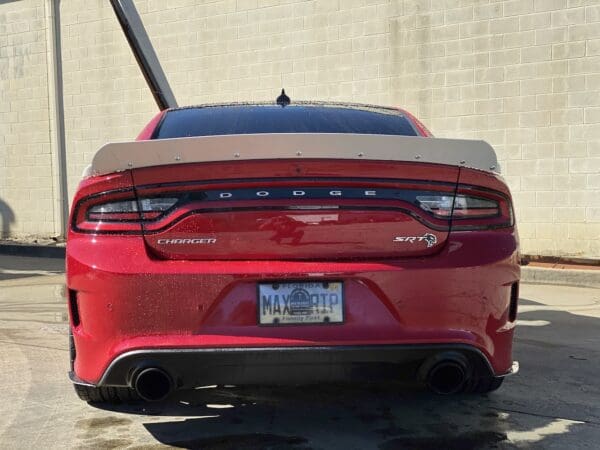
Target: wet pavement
pixel 554 402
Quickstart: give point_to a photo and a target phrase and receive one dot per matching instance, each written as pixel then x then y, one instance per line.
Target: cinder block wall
pixel 521 74
pixel 26 187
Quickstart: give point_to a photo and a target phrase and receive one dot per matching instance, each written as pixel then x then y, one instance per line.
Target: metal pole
pixel 57 118
pixel 142 49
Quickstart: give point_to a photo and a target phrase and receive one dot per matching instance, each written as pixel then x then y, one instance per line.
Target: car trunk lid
pixel 295 195
pixel 291 209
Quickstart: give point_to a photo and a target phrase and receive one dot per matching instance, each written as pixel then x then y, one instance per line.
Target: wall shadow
pixel 7 218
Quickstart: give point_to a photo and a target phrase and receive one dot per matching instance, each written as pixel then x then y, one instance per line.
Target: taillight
pixel 439 205
pixel 469 211
pixel 130 209
pixel 119 212
pixel 114 211
pixel 474 207
pixel 446 206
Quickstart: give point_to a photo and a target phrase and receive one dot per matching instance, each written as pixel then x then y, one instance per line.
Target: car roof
pixel 301 103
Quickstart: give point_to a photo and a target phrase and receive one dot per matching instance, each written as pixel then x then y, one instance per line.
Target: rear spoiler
pixel 117 157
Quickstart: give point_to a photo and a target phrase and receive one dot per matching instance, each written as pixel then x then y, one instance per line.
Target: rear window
pixel 257 119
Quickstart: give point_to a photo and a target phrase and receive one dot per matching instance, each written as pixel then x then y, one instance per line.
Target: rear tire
pixel 108 394
pixel 484 385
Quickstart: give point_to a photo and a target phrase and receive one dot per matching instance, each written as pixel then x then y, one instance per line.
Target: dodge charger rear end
pixel 261 244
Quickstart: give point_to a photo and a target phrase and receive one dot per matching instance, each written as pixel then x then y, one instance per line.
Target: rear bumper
pixel 130 304
pixel 294 365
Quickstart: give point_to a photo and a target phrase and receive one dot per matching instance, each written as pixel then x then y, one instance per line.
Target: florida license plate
pixel 300 303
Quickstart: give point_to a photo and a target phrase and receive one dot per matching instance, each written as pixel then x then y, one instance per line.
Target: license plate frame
pixel 300 310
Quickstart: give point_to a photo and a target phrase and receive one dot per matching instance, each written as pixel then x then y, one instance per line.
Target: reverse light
pixel 438 205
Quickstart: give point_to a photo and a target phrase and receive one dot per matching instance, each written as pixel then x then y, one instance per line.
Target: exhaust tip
pixel 153 384
pixel 447 377
pixel 446 373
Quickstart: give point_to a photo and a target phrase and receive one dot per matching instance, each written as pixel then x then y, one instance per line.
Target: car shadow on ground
pixel 547 405
pixel 304 417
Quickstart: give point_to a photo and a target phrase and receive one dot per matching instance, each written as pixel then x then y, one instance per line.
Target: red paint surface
pixel 148 130
pixel 130 301
pixel 130 298
pixel 421 129
pixel 256 232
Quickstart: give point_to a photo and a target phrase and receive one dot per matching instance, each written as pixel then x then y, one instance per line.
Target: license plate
pixel 300 303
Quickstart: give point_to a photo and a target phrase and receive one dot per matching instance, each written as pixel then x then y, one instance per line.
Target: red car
pixel 303 243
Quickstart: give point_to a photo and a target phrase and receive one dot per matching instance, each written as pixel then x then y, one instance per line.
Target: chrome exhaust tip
pixel 153 384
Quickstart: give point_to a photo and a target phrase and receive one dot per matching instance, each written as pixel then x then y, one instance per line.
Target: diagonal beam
pixel 144 53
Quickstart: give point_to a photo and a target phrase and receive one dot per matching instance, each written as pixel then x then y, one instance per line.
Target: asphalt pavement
pixel 553 403
pixel 14 267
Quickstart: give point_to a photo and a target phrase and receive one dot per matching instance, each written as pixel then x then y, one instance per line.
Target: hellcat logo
pixel 186 241
pixel 428 238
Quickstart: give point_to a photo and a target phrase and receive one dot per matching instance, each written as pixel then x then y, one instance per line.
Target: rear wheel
pixel 108 394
